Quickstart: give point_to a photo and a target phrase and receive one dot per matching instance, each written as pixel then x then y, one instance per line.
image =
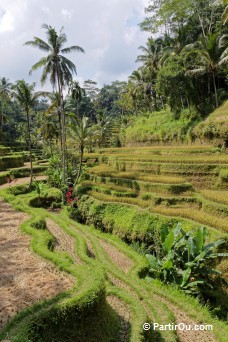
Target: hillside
pixel 163 127
pixel 215 127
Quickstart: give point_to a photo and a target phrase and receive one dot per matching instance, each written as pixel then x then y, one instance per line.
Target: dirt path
pixel 19 181
pixel 117 257
pixel 65 242
pixel 25 277
pixel 188 335
pixel 124 315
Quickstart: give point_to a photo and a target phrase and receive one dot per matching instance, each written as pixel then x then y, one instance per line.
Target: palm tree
pixel 82 133
pixel 151 56
pixel 59 68
pixel 76 93
pixel 26 97
pixel 212 55
pixel 225 11
pixel 49 130
pixel 5 92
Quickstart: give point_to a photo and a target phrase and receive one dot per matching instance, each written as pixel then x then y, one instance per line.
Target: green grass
pixel 156 149
pixel 142 186
pixel 106 170
pixel 215 126
pixel 156 127
pixel 82 313
pixel 78 304
pixel 197 216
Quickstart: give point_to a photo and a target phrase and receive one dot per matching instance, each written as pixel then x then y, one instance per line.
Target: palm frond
pixel 39 44
pixel 223 61
pixel 73 48
pixel 196 71
pixel 39 64
pixel 71 66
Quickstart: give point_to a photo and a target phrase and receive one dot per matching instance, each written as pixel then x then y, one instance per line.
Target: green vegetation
pixel 7 162
pixel 86 300
pixel 135 211
pixel 158 127
pixel 183 258
pixel 214 127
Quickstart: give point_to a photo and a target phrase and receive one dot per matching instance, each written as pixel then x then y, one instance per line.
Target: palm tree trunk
pixel 1 121
pixel 60 128
pixel 30 149
pixel 2 116
pixel 80 163
pixel 215 89
pixel 51 147
pixel 63 132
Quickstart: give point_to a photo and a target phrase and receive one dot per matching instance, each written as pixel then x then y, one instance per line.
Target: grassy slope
pixel 163 127
pixel 216 124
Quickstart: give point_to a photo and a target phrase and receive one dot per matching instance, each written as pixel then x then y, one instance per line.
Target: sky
pixel 107 30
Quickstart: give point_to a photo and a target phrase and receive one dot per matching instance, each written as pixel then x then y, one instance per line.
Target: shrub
pixel 39 224
pixel 3 177
pixel 25 171
pixel 127 222
pixel 11 161
pixel 20 189
pixel 54 195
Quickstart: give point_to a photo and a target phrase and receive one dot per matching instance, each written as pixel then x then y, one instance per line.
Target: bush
pixel 127 222
pixel 11 161
pixel 19 189
pixel 25 171
pixel 53 196
pixel 3 177
pixel 39 224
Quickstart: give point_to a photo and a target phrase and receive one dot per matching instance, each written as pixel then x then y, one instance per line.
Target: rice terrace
pixel 114 197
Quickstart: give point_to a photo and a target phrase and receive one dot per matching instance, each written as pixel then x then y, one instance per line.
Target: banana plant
pixel 185 259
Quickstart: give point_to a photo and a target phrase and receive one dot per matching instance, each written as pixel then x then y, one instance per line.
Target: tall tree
pixel 82 132
pixel 59 68
pixel 212 55
pixel 26 97
pixel 5 91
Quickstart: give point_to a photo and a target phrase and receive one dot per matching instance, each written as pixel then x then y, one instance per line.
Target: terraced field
pixel 110 298
pixel 190 183
pixel 99 262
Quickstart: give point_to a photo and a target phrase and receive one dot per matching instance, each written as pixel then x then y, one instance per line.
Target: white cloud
pixel 45 9
pixel 12 12
pixel 107 30
pixel 67 14
pixel 7 22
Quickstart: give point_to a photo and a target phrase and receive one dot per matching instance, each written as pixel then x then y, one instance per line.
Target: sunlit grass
pixel 195 215
pixel 220 196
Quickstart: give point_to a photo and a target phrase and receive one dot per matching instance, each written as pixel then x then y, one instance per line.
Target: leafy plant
pixel 185 259
pixel 40 187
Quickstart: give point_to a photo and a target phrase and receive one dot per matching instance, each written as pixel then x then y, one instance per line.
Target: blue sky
pixel 106 29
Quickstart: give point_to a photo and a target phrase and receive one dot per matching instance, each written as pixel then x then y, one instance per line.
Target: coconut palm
pixel 225 11
pixel 59 68
pixel 75 95
pixel 26 97
pixel 151 56
pixel 212 54
pixel 49 130
pixel 82 132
